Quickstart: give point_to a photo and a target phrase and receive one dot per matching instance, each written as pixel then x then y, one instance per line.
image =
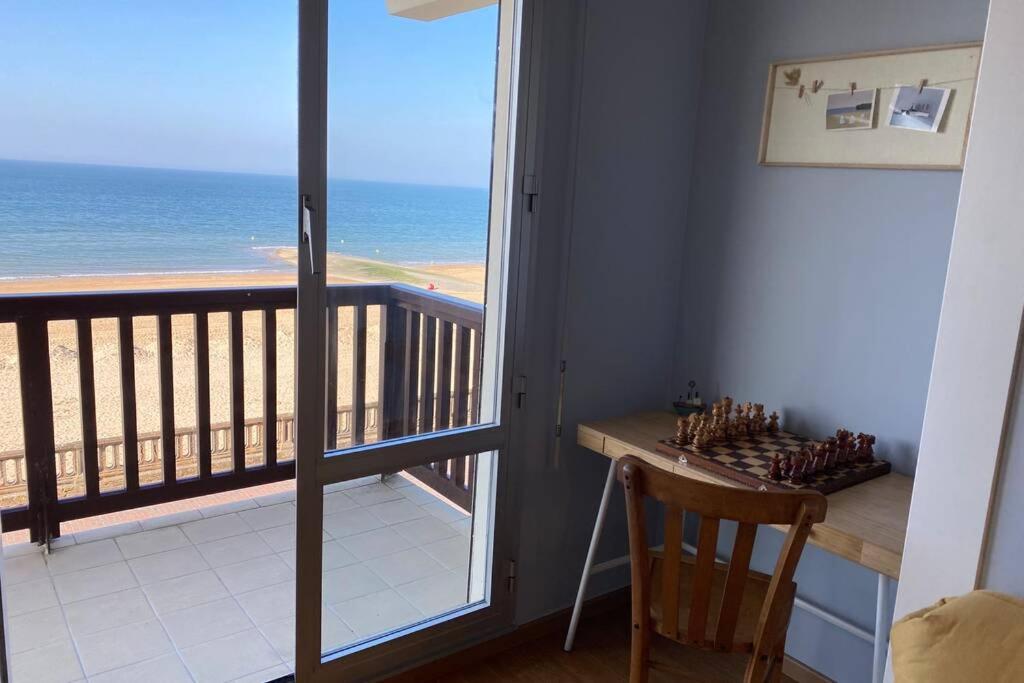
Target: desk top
pixel 866 523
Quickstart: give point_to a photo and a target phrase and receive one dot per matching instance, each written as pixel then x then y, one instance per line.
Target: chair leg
pixel 640 652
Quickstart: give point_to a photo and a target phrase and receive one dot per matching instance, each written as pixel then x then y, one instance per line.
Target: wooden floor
pixel 601 655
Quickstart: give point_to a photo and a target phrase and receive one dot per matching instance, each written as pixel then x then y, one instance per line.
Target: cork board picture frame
pixel 861 110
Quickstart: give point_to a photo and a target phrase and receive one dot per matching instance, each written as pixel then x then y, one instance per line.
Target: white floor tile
pixel 195 625
pixel 185 591
pixel 22 549
pixel 228 508
pixel 417 495
pixel 57 663
pixel 168 565
pixel 377 613
pixel 89 583
pixel 350 582
pixel 435 595
pixel 231 657
pixel 275 498
pixel 166 668
pixel 84 556
pixel 445 512
pixel 351 522
pixel 373 493
pixel 280 538
pixel 398 481
pixel 270 603
pixel 235 549
pixel 271 674
pixel 152 542
pixel 463 526
pixel 30 596
pixel 103 532
pixel 375 543
pixel 215 528
pixel 351 483
pixel 404 566
pixel 396 511
pixel 108 611
pixel 338 502
pixel 24 568
pixel 122 646
pixel 269 517
pixel 36 629
pixel 452 552
pixel 170 520
pixel 425 530
pixel 256 573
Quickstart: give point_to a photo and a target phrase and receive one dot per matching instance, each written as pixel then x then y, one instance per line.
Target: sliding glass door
pixel 408 240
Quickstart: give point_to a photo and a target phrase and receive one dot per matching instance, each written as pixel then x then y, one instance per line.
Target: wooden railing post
pixel 37 416
pixel 393 373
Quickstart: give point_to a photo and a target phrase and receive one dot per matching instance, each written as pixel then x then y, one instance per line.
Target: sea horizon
pixel 72 220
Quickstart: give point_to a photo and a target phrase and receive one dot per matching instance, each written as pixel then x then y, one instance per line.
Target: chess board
pixel 746 461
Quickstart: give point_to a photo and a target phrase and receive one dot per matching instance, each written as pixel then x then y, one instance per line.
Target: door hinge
pixel 520 390
pixel 511 576
pixel 530 190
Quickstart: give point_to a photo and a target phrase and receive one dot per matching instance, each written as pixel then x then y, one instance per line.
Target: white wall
pixel 970 390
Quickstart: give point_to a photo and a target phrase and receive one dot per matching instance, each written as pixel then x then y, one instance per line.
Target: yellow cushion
pixel 975 637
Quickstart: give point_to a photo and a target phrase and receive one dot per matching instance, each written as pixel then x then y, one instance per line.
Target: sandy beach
pixel 459 280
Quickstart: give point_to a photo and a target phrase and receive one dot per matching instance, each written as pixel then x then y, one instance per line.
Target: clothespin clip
pixel 800 93
pixel 920 86
pixel 816 86
pixel 853 86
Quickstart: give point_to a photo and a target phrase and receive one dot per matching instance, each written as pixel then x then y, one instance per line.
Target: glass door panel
pixel 403 313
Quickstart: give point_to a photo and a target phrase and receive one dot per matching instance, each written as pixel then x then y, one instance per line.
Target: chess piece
pixel 787 466
pixel 682 424
pixel 865 448
pixel 812 468
pixel 775 468
pixel 757 420
pixel 703 437
pixel 691 428
pixel 831 453
pixel 773 423
pixel 727 406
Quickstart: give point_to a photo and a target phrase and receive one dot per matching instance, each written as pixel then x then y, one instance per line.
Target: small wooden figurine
pixel 773 423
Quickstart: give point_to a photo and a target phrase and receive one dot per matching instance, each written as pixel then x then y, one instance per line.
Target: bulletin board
pixel 817 111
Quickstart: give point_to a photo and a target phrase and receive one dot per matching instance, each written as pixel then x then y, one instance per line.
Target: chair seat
pixel 755 589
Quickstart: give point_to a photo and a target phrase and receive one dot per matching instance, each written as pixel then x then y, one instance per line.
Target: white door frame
pixel 315 468
pixel 976 349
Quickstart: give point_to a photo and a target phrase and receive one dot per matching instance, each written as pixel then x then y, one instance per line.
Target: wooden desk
pixel 866 523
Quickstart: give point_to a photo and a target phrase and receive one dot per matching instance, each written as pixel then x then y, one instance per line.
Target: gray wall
pixel 622 191
pixel 815 291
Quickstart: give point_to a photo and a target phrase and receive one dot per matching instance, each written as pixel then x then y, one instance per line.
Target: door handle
pixel 307 232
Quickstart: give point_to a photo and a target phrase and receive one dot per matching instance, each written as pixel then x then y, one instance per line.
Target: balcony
pixel 178 560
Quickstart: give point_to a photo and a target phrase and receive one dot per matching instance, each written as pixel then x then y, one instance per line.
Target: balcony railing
pixel 429 351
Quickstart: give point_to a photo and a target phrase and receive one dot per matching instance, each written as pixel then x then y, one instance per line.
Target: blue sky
pixel 211 85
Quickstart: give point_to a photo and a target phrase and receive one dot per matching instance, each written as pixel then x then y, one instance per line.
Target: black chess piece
pixel 775 468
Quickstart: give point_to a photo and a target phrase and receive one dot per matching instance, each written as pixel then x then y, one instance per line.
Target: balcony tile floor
pixel 208 595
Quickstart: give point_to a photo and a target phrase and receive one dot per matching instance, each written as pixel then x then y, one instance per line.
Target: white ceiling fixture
pixel 428 10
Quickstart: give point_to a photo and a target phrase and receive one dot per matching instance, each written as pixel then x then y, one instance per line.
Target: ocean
pixel 74 219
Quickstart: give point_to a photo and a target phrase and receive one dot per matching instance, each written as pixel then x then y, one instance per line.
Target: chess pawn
pixel 775 468
pixel 773 423
pixel 692 426
pixel 758 421
pixel 682 423
pixel 831 452
pixel 812 469
pixel 701 440
pixel 727 406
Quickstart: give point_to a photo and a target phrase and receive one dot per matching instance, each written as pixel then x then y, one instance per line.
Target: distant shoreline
pixel 462 280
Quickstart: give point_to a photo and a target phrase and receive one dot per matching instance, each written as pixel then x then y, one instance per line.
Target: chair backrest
pixel 714 503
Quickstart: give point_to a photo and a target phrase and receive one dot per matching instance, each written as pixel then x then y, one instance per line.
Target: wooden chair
pixel 673 593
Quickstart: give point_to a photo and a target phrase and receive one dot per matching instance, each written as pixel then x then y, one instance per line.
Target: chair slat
pixel 670 571
pixel 129 420
pixel 428 370
pixel 735 582
pixel 707 542
pixel 237 392
pixel 358 374
pixel 270 387
pixel 87 392
pixel 331 381
pixel 203 446
pixel 165 352
pixel 412 368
